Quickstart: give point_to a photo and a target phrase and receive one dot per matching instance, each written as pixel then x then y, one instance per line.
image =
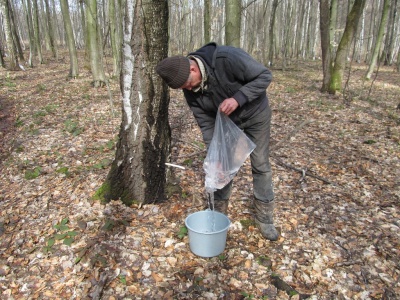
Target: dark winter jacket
pixel 231 72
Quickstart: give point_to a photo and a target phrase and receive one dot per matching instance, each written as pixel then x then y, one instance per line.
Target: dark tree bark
pixel 138 172
pixel 2 62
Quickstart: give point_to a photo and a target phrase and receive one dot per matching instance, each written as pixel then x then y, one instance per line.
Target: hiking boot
pixel 264 212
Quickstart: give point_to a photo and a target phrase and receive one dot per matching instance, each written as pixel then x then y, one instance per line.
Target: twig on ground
pixel 349 263
pixel 306 172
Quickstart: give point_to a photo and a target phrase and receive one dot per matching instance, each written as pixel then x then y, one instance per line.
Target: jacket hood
pixel 206 52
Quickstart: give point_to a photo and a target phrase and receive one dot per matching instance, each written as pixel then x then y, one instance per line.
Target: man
pixel 230 79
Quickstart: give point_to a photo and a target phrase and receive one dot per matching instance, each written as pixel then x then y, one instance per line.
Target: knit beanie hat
pixel 174 70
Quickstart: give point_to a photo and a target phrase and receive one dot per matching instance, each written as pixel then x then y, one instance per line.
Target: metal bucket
pixel 207 231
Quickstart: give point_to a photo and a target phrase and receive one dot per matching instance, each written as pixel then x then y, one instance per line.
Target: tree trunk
pixel 56 29
pixel 13 61
pixel 44 26
pixel 325 43
pixel 332 27
pixel 31 34
pixel 2 62
pixel 73 70
pixel 49 19
pixel 232 22
pixel 84 32
pixel 95 50
pixel 36 31
pixel 114 15
pixel 301 25
pixel 264 38
pixel 14 32
pixel 207 20
pixel 138 171
pixel 390 33
pixel 379 39
pixel 341 54
pixel 271 33
pixel 287 37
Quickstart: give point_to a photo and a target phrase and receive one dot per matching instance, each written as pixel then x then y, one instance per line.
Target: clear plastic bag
pixel 228 150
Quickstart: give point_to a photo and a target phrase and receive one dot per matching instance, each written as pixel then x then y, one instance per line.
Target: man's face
pixel 194 79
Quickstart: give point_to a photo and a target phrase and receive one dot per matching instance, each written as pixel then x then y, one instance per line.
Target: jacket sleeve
pixel 254 76
pixel 205 119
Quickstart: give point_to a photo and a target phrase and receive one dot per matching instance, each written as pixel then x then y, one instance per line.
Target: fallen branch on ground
pixel 303 172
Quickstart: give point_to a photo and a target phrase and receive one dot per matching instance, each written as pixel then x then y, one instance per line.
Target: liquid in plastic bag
pixel 228 150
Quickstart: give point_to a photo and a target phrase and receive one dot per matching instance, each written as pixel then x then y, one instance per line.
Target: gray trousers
pixel 258 130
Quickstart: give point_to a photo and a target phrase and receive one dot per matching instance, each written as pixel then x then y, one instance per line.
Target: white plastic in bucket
pixel 207 231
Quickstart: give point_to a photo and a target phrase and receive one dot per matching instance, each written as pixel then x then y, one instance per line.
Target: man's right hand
pixel 228 106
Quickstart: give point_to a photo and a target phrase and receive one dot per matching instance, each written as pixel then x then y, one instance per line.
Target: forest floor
pixel 336 167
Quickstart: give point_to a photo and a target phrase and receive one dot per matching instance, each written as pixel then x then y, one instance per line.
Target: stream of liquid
pixel 211 217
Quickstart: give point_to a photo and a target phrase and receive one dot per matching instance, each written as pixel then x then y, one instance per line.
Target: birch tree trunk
pixel 379 39
pixel 73 59
pixel 138 171
pixel 341 54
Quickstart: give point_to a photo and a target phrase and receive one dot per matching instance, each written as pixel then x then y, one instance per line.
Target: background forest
pixel 270 30
pixel 335 154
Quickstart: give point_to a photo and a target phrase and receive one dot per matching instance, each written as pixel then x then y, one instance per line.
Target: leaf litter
pixel 339 240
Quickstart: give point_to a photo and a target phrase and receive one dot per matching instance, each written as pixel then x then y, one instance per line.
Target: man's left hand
pixel 228 106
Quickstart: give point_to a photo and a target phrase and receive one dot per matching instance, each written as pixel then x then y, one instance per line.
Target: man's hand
pixel 228 106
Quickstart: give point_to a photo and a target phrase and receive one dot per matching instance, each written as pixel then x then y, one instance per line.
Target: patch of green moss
pixel 126 199
pixel 247 223
pixel 101 193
